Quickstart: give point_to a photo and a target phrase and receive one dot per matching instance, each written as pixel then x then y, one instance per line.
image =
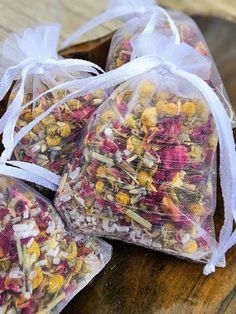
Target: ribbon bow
pixel 124 9
pixel 31 52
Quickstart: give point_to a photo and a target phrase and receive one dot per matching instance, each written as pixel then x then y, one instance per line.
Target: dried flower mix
pixel 150 181
pixel 51 141
pixel 42 266
pixel 121 48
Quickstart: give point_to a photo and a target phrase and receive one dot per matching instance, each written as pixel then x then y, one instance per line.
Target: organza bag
pixel 33 62
pixel 182 29
pixel 121 45
pixel 146 173
pixel 42 266
pixel 145 16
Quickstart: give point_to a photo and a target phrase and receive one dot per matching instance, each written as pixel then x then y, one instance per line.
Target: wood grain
pixel 17 14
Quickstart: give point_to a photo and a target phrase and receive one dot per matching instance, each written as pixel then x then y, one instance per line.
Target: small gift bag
pixel 31 61
pixel 145 16
pixel 42 266
pixel 146 173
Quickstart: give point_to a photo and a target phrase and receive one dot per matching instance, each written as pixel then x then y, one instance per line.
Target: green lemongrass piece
pixel 19 251
pixel 62 183
pixel 102 158
pixel 57 300
pixel 138 219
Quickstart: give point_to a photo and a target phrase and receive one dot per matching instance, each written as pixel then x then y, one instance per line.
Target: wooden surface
pixel 137 280
pixel 17 14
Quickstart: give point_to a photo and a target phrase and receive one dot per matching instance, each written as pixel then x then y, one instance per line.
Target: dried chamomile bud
pixel 52 140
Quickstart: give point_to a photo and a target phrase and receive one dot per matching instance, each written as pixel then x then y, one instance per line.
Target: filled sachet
pixel 147 171
pixel 31 60
pixel 147 17
pixel 42 265
pixel 146 168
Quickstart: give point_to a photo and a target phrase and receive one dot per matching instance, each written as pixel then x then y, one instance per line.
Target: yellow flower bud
pixel 27 115
pixel 122 198
pixel 170 109
pixel 4 265
pixel 64 129
pixel 144 178
pixel 50 119
pixel 119 62
pixel 134 144
pixel 196 152
pixel 190 247
pixel 197 209
pixel 38 278
pixel 55 283
pixel 149 117
pixel 188 108
pixel 213 140
pixel 108 115
pixel 99 186
pixel 53 140
pixel 146 89
pixel 72 251
pixel 38 127
pixel 52 129
pixel 130 121
pixel 34 248
pixel 74 104
pixel 101 171
pixel 169 227
pixel 38 111
pixel 27 137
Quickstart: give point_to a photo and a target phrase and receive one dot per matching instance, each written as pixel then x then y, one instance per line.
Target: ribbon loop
pixel 35 50
pixel 20 171
pixel 123 9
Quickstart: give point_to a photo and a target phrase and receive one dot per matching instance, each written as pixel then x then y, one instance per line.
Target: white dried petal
pixel 16 273
pixel 108 133
pixel 74 174
pixel 148 162
pixel 52 252
pixel 185 238
pixel 107 227
pixel 30 242
pixel 64 197
pixel 26 213
pixel 42 262
pixel 122 229
pixel 28 229
pixel 127 152
pixel 56 261
pixel 27 295
pixel 118 156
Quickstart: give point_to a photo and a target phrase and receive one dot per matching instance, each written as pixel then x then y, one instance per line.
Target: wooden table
pixel 137 280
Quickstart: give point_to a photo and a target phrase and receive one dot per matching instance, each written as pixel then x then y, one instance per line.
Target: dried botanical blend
pixel 141 17
pixel 121 47
pixel 42 266
pixel 123 44
pixel 146 170
pixel 51 141
pixel 35 71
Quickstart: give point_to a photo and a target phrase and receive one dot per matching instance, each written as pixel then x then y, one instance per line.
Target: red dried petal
pixel 108 146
